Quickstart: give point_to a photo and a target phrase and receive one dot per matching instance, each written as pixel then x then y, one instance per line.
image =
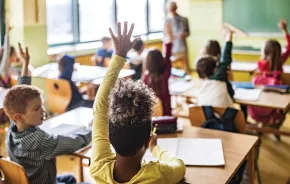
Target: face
pixel 172 8
pixel 35 113
pixel 14 57
pixel 107 44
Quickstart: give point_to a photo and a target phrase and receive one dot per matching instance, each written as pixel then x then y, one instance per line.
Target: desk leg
pixel 251 165
pixel 81 170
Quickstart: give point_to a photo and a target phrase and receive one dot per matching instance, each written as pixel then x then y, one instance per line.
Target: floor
pixel 274 160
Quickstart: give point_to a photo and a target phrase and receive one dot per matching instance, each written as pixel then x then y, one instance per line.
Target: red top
pixel 163 94
pixel 264 65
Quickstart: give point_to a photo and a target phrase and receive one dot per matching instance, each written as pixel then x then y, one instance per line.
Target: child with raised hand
pixel 157 72
pixel 122 117
pixel 26 143
pixel 271 68
pixel 214 90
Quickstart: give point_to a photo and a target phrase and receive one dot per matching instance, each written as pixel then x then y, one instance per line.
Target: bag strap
pixel 228 117
pixel 208 112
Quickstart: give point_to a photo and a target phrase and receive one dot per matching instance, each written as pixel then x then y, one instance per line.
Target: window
pixel 96 16
pixel 59 21
pixel 80 21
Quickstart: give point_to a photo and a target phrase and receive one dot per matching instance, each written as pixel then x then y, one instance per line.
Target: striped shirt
pixel 36 150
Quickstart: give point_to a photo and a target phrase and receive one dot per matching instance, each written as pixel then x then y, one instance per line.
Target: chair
pixel 197 117
pixel 286 78
pixel 59 95
pixel 158 110
pixel 84 60
pixel 11 172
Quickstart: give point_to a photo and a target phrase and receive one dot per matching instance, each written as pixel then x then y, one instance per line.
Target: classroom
pixel 144 91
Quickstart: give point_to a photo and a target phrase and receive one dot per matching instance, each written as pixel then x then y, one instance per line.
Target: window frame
pixel 76 25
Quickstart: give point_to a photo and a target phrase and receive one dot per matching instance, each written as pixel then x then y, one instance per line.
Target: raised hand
pixel 153 142
pixel 122 43
pixel 228 34
pixel 282 24
pixel 24 57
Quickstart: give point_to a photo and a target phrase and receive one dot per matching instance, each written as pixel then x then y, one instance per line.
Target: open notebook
pixel 195 152
pixel 247 94
pixel 65 129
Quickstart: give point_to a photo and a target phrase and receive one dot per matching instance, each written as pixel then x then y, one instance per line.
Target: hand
pixel 24 57
pixel 282 24
pixel 183 35
pixel 8 28
pixel 153 142
pixel 122 43
pixel 228 34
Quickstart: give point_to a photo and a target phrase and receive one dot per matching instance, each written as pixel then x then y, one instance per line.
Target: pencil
pixel 154 130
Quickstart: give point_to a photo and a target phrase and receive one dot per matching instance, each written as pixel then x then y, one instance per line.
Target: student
pixel 214 90
pixel 26 143
pixel 213 48
pixel 137 59
pixel 157 73
pixel 126 124
pixel 66 68
pixel 103 53
pixel 271 68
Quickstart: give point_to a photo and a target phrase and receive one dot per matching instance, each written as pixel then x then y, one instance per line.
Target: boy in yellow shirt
pixel 126 124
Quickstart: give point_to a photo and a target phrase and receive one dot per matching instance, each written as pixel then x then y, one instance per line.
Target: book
pixel 193 152
pixel 277 88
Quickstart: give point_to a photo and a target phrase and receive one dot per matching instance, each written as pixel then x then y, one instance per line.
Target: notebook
pixel 193 152
pixel 65 129
pixel 247 94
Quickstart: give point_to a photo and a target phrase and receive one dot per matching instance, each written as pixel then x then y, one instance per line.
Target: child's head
pixel 206 66
pixel 272 52
pixel 107 43
pixel 139 46
pixel 131 109
pixel 62 62
pixel 24 105
pixel 213 48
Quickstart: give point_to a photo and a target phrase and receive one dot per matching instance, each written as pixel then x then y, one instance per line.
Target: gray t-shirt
pixel 179 25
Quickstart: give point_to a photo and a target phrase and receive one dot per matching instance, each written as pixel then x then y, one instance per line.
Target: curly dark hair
pixel 205 66
pixel 131 110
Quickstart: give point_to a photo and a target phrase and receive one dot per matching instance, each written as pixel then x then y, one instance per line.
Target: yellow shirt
pixel 167 170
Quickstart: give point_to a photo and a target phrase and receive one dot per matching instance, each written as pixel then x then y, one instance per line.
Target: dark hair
pixel 61 64
pixel 131 110
pixel 205 66
pixel 155 64
pixel 12 50
pixel 106 39
pixel 213 48
pixel 272 53
pixel 138 46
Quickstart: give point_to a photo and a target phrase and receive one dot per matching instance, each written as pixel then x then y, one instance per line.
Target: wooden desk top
pixel 86 74
pixel 235 146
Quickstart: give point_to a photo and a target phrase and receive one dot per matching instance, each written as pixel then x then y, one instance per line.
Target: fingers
pixel 27 52
pixel 20 48
pixel 125 29
pixel 112 34
pixel 131 30
pixel 119 30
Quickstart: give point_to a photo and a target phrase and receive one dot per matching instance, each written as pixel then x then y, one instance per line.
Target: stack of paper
pixel 247 94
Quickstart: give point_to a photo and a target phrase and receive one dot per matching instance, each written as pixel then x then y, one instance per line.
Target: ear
pixel 17 117
pixel 147 142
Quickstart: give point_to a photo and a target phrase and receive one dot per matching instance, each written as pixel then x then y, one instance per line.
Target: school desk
pixel 236 147
pixel 82 73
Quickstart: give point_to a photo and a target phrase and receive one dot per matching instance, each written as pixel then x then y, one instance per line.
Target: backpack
pixel 225 123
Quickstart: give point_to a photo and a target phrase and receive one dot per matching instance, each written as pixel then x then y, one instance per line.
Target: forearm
pixel 101 145
pixel 5 58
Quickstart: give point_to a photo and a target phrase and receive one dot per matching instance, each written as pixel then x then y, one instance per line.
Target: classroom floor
pixel 274 160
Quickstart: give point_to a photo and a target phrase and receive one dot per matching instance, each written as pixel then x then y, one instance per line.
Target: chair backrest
pixel 59 94
pixel 11 172
pixel 285 78
pixel 197 117
pixel 158 111
pixel 84 60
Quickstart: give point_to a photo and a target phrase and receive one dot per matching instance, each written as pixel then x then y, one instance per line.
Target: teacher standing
pixel 180 30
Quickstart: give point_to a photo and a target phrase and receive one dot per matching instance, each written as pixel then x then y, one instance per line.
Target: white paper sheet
pixel 65 129
pixel 247 94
